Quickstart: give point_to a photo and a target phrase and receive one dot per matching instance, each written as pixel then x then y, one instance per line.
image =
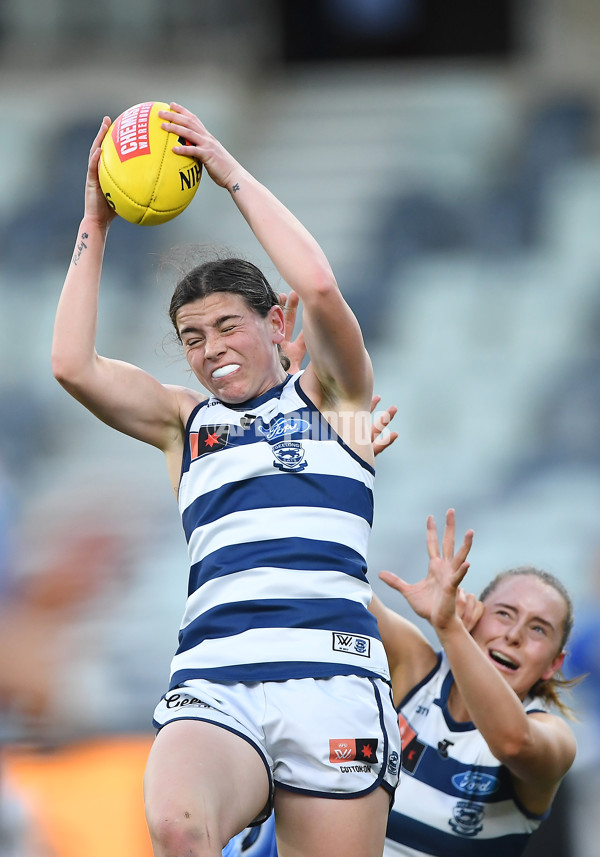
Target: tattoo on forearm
pixel 80 248
pixel 235 188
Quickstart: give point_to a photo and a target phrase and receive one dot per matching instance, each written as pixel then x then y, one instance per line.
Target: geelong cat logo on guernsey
pixel 289 455
pixel 467 818
pixel 353 750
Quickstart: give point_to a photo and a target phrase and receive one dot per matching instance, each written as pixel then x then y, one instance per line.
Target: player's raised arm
pixel 516 644
pixel 120 394
pixel 339 361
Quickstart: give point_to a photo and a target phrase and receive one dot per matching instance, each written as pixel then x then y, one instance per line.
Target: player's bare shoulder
pixel 187 399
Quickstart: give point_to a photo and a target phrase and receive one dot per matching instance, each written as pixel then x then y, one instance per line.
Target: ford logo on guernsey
pixel 475 783
pixel 284 426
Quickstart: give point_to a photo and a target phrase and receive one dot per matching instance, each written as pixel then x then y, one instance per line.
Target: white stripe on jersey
pixel 257 583
pixel 256 525
pixel 280 644
pixel 394 849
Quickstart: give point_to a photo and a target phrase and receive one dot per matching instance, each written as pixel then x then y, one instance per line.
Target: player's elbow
pixel 59 366
pixel 511 746
pixel 62 368
pixel 324 284
pixel 321 291
pixel 67 370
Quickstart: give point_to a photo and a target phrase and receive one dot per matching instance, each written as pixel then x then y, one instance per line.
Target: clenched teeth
pixel 222 371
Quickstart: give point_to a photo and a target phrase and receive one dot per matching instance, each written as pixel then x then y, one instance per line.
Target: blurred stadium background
pixel 448 160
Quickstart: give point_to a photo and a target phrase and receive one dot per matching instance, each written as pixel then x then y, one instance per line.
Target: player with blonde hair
pixel 483 754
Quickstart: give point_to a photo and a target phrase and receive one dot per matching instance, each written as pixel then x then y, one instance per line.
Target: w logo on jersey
pixel 352 643
pixel 353 750
pixel 341 753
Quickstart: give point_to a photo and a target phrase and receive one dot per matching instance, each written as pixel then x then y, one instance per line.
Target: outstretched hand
pixel 437 597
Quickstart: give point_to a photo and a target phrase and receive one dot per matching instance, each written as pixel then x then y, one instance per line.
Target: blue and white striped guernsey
pixel 455 799
pixel 277 513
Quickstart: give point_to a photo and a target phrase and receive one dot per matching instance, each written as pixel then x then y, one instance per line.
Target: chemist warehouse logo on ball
pixel 342 751
pixel 130 132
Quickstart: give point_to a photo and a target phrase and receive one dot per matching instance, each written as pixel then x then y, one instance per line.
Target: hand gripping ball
pixel 143 180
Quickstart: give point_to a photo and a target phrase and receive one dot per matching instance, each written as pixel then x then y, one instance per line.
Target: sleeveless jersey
pixel 455 799
pixel 277 513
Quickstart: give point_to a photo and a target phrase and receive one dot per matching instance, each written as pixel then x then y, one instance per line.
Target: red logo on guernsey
pixel 407 733
pixel 353 750
pixel 412 748
pixel 130 132
pixel 208 439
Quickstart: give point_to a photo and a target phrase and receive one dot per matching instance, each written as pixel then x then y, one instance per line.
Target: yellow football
pixel 142 178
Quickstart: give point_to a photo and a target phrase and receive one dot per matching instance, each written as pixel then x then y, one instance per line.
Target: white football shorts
pixel 332 737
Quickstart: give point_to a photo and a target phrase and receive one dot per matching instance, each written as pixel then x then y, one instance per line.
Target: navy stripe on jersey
pixel 455 778
pixel 429 840
pixel 293 553
pixel 228 620
pixel 268 671
pixel 279 491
